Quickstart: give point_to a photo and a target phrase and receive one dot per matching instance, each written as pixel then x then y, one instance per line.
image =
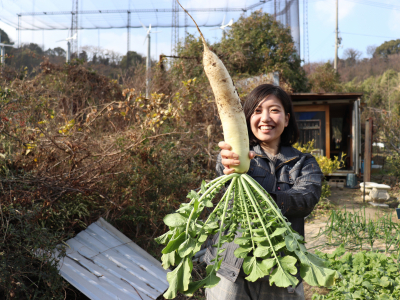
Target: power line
pixel 369 3
pixel 145 10
pixel 106 27
pixel 322 44
pixel 387 37
pixel 376 4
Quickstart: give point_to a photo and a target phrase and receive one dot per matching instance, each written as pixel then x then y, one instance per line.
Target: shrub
pixel 327 166
pixel 28 271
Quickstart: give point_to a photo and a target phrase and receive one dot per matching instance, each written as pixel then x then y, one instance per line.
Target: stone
pixel 379 195
pixel 378 204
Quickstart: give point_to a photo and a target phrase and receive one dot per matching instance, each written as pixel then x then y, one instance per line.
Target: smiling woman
pixel 292 178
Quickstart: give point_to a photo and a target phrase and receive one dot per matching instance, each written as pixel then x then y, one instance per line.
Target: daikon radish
pixel 229 107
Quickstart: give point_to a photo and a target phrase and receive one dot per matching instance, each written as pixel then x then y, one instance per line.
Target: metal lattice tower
pixel 306 53
pixel 186 26
pixel 175 26
pixel 287 12
pixel 74 26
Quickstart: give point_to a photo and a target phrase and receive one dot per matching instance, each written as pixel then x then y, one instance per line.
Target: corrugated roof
pixel 324 96
pixel 105 264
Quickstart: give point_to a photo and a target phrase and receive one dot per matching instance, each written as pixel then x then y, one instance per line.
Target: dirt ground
pixel 351 200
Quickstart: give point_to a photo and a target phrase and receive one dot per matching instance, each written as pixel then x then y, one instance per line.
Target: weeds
pixel 356 230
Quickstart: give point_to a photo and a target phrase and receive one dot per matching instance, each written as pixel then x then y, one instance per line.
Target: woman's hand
pixel 230 158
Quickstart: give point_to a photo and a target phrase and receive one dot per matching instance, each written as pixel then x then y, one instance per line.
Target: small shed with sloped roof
pixel 332 120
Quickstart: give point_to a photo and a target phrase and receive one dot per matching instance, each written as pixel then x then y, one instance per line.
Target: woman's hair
pixel 290 134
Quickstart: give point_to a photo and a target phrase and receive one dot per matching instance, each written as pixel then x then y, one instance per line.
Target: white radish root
pixel 229 107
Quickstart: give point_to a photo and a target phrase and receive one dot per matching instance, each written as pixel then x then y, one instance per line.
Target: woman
pixel 292 178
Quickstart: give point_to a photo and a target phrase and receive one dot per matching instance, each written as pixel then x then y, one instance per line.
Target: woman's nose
pixel 265 117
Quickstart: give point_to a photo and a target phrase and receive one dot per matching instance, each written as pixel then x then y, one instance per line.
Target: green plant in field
pixel 356 231
pixel 394 162
pixel 365 275
pixel 265 234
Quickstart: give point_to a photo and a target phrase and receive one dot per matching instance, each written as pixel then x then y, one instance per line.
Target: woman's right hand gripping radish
pixel 230 158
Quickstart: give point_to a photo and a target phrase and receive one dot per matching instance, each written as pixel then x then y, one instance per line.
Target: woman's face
pixel 269 120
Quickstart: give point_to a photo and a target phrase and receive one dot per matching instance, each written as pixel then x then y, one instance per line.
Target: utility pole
pixel 19 31
pixel 128 39
pixel 148 67
pixel 68 58
pixel 148 59
pixel 335 62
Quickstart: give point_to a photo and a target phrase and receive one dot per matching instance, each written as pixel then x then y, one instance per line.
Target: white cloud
pixel 326 10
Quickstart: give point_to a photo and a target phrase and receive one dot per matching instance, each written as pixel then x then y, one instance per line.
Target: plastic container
pixel 351 180
pixel 398 212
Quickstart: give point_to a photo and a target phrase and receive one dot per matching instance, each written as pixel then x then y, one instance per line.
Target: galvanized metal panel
pixel 103 263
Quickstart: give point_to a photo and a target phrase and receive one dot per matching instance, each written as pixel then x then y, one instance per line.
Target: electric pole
pixel 335 63
pixel 148 67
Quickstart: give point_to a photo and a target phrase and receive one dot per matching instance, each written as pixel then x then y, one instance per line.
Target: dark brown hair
pixel 290 134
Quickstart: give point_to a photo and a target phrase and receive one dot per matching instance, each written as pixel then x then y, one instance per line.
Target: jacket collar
pixel 285 154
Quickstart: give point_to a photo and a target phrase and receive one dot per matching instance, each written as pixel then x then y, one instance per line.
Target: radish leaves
pixel 269 246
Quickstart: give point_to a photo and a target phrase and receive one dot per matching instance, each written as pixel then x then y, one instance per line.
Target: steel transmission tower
pixel 175 26
pixel 186 27
pixel 74 26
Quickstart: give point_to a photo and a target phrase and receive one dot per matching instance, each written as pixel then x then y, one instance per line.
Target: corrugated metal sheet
pixel 104 264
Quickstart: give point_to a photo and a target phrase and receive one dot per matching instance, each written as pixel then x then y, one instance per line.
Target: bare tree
pixel 351 56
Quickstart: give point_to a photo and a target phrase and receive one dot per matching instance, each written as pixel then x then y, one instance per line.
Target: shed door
pixel 310 130
pixel 312 126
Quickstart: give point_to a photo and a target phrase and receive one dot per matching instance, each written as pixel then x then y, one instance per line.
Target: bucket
pixel 351 180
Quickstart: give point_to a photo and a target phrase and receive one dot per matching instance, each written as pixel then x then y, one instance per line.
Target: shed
pixel 332 120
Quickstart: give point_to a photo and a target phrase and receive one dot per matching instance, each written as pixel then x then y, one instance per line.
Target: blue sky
pixel 361 23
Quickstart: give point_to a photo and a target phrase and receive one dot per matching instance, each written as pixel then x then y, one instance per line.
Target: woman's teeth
pixel 266 127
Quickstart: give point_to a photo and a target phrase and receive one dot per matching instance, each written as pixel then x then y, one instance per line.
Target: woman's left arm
pixel 300 199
